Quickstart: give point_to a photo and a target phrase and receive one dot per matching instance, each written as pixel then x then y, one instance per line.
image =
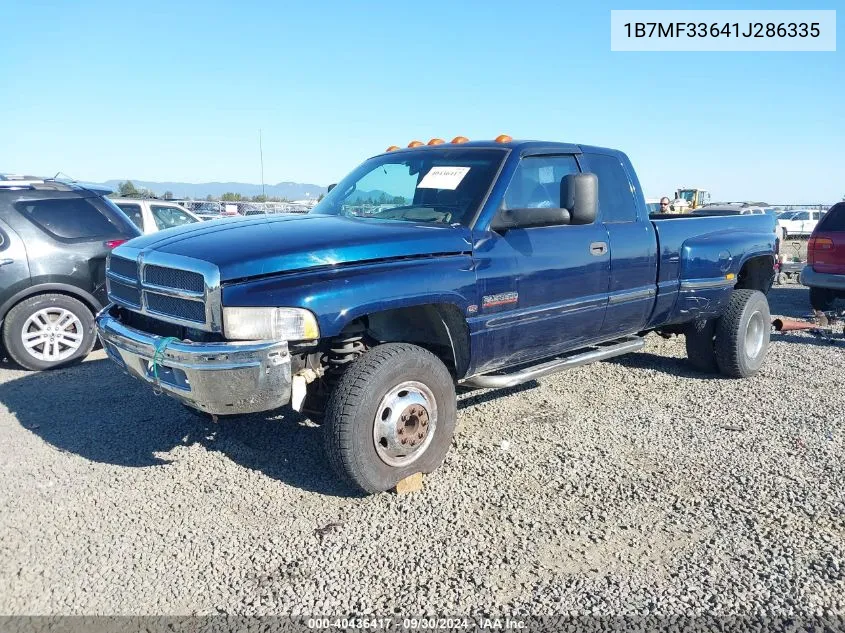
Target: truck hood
pixel 247 247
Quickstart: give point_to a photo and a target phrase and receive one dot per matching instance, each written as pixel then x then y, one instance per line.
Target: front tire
pixel 48 331
pixel 391 415
pixel 742 334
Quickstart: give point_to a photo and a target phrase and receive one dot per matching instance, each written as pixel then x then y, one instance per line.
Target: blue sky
pixel 178 91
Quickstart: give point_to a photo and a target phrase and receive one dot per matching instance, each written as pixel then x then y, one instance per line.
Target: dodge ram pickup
pixel 432 267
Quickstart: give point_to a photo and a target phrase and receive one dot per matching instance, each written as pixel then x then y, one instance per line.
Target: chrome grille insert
pixel 124 267
pixel 172 306
pixel 172 278
pixel 125 293
pixel 172 288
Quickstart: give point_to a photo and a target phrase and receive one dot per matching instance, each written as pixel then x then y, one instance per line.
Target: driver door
pixel 543 290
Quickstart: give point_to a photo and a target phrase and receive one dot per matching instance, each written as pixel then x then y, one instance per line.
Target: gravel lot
pixel 628 487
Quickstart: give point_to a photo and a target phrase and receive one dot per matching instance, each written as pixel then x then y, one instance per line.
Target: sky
pixel 178 91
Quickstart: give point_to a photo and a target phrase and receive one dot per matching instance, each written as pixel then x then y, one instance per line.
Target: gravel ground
pixel 635 486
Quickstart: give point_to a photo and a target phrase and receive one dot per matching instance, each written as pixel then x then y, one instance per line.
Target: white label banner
pixel 728 30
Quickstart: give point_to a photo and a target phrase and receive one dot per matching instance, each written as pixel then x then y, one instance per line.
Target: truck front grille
pixel 124 267
pixel 123 293
pixel 179 290
pixel 183 309
pixel 172 278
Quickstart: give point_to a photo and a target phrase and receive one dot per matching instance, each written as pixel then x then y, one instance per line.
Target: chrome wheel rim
pixel 405 422
pixel 754 335
pixel 52 334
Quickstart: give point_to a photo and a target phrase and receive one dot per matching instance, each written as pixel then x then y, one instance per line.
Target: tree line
pixel 127 189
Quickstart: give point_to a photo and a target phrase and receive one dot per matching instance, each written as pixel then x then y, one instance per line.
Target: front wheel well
pixel 438 327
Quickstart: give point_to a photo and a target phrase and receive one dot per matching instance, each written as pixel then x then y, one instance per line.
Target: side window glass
pixel 133 211
pixel 616 198
pixel 536 182
pixel 72 218
pixel 167 217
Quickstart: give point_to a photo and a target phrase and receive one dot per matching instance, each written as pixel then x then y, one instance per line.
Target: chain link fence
pixel 223 208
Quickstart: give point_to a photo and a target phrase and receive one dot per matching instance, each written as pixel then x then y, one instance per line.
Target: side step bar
pixel 604 352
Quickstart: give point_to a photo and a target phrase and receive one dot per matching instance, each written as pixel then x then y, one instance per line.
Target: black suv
pixel 54 239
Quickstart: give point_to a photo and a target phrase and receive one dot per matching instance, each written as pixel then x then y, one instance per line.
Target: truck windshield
pixel 444 186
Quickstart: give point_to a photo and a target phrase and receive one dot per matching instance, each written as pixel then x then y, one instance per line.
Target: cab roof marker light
pixel 503 138
pixel 436 141
pixel 415 144
pixel 392 148
pixel 460 139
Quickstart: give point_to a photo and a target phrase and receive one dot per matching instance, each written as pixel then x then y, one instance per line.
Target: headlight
pixel 256 324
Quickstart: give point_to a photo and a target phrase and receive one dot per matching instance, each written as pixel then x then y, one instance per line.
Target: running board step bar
pixel 501 381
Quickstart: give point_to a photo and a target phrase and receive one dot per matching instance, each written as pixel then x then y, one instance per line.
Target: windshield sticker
pixel 443 178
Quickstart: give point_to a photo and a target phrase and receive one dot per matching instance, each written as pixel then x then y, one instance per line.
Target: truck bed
pixel 697 256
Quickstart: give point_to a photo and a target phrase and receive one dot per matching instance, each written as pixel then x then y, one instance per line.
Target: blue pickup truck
pixel 431 267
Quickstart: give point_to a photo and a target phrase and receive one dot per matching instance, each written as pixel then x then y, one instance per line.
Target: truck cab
pixel 478 264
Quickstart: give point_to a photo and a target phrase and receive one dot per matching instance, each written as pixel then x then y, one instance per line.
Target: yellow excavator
pixel 689 199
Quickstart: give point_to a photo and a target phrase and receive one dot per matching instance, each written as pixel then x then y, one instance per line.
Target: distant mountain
pixel 289 190
pixel 371 195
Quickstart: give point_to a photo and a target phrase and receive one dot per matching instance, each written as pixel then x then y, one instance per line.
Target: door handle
pixel 598 248
pixel 6 262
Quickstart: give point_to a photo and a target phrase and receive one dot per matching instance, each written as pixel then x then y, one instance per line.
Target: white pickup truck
pixel 798 222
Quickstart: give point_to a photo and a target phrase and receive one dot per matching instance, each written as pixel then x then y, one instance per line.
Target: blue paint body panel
pixel 246 247
pixel 526 294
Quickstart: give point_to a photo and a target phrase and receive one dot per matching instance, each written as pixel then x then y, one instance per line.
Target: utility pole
pixel 261 153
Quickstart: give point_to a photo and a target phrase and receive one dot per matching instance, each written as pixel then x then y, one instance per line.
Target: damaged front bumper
pixel 219 378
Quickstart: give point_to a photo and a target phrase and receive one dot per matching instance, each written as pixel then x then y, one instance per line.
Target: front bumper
pixel 811 278
pixel 219 378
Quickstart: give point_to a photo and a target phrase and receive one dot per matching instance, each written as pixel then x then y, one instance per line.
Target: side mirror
pixel 526 218
pixel 580 194
pixel 331 186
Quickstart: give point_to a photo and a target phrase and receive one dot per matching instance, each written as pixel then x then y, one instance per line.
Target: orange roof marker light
pixel 436 141
pixel 503 138
pixel 392 148
pixel 415 143
pixel 460 139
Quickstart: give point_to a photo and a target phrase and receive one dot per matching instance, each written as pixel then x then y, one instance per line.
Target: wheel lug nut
pixel 405 441
pixel 425 422
pixel 420 435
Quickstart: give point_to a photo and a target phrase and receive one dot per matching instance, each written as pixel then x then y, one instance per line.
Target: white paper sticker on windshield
pixel 547 174
pixel 443 178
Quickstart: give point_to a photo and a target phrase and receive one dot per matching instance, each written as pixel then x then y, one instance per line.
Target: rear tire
pixel 58 329
pixel 821 299
pixel 701 345
pixel 742 334
pixel 392 395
